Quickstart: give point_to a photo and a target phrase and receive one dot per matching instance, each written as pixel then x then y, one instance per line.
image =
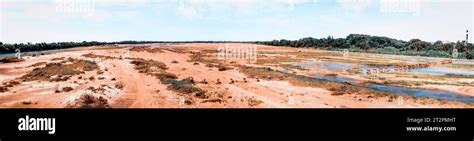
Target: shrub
pixel 90 101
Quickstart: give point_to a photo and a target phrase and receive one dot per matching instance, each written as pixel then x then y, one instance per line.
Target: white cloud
pixel 355 5
pixel 438 20
pixel 202 8
pixel 188 12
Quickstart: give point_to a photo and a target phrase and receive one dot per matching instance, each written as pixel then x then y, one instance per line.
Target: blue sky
pixel 236 20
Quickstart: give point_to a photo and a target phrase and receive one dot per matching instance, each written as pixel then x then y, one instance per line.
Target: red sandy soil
pixel 145 91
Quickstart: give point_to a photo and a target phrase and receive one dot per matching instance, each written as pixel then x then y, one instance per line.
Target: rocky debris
pixel 253 101
pixel 204 81
pixel 11 83
pixel 59 78
pixel 223 68
pixel 201 95
pixel 26 102
pixel 99 72
pixel 188 102
pixel 119 85
pixel 3 89
pixel 67 89
pixel 216 100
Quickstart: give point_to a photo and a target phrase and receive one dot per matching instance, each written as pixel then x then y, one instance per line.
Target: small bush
pixel 90 101
pixel 183 86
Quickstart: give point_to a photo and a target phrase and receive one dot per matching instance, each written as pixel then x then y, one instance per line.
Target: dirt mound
pixel 10 60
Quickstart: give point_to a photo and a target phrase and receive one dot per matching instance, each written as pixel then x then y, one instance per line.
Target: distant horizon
pixel 37 21
pixel 231 40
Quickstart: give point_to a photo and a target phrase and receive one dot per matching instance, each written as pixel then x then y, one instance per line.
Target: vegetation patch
pixel 90 101
pixel 90 55
pixel 290 67
pixel 299 80
pixel 378 44
pixel 38 64
pixel 60 70
pixel 157 69
pixel 458 76
pixel 147 49
pixel 183 86
pixel 148 66
pixel 253 101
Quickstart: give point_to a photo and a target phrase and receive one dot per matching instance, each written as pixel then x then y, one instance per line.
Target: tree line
pixel 353 42
pixel 377 44
pixel 28 47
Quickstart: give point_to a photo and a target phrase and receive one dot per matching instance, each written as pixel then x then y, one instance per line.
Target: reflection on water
pixel 346 66
pixel 436 94
pixel 443 95
pixel 328 65
pixel 441 71
pixel 33 52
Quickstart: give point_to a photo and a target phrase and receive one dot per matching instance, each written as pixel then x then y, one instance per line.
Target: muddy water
pixel 442 71
pixel 444 95
pixel 328 65
pixel 33 52
pixel 346 66
pixel 438 94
